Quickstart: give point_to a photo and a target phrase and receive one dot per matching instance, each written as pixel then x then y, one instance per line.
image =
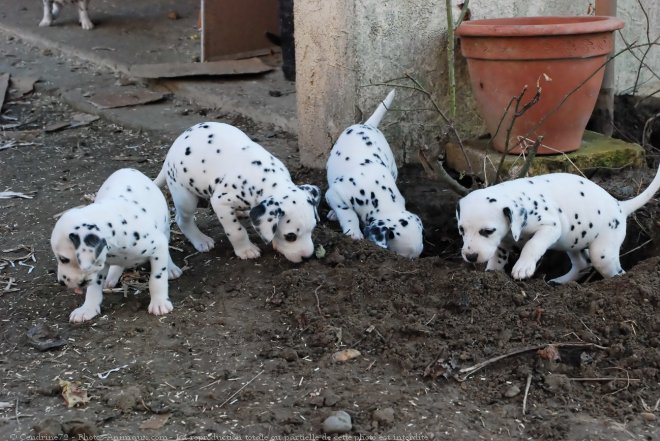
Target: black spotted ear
pixel 379 234
pixel 264 218
pixel 314 197
pixel 517 221
pixel 92 240
pixel 75 239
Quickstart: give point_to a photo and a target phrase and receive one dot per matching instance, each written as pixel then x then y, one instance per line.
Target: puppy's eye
pixel 461 230
pixel 485 232
pixel 64 260
pixel 291 237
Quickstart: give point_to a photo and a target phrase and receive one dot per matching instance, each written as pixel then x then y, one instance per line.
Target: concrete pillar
pixel 326 74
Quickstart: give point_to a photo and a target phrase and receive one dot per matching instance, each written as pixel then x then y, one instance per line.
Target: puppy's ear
pixel 314 197
pixel 264 218
pixel 92 240
pixel 75 239
pixel 379 234
pixel 517 221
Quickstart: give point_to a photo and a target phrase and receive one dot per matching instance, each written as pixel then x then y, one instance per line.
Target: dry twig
pixel 465 373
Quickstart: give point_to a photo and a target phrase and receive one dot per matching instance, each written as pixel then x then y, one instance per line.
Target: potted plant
pixel 564 56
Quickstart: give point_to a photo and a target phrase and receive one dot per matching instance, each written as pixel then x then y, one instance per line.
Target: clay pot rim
pixel 538 26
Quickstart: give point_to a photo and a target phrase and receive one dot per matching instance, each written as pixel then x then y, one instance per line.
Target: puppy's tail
pixel 638 201
pixel 160 179
pixel 378 114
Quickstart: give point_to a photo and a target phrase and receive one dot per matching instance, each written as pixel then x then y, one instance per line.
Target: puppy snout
pixel 62 282
pixel 82 283
pixel 471 257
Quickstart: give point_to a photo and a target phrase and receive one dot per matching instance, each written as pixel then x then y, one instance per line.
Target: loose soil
pixel 247 351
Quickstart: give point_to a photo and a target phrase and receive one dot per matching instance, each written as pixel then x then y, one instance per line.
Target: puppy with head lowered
pixel 127 225
pixel 362 189
pixel 558 211
pixel 219 162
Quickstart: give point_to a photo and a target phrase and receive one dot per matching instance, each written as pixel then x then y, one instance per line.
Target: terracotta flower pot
pixel 559 53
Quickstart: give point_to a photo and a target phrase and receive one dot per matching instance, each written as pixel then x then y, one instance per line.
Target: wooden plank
pixel 111 99
pixel 214 68
pixel 237 26
pixel 4 84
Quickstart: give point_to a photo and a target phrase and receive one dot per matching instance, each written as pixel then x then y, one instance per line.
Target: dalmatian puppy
pixel 52 9
pixel 558 211
pixel 219 162
pixel 127 225
pixel 362 189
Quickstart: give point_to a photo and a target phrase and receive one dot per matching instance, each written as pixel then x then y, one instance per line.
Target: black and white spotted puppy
pixel 219 162
pixel 362 189
pixel 558 211
pixel 52 9
pixel 127 225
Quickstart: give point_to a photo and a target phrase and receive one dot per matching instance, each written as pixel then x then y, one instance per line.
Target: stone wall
pixel 346 50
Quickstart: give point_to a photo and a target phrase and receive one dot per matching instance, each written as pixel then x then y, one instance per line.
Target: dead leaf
pixel 155 422
pixel 550 352
pixel 73 393
pixel 21 86
pixel 43 338
pixel 77 120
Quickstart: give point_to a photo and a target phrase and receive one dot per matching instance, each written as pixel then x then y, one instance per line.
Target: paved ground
pixel 142 33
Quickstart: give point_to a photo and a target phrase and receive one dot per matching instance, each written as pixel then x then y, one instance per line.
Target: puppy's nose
pixel 62 283
pixel 472 257
pixel 82 284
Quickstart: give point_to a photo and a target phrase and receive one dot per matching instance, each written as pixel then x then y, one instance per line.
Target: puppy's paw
pixel 203 243
pixel 523 270
pixel 84 313
pixel 355 234
pixel 114 274
pixel 250 251
pixel 45 22
pixel 86 24
pixel 173 271
pixel 160 306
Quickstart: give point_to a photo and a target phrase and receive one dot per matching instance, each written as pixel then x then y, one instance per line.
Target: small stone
pixel 345 355
pixel 335 258
pixel 330 398
pixel 383 416
pixel 338 422
pixel 289 354
pixel 512 391
pixel 48 428
pixel 648 417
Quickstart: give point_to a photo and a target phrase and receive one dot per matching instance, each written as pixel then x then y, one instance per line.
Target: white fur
pixel 127 225
pixel 362 189
pixel 219 162
pixel 557 211
pixel 52 9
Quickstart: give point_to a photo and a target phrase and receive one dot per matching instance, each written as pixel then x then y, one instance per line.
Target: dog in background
pixel 52 9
